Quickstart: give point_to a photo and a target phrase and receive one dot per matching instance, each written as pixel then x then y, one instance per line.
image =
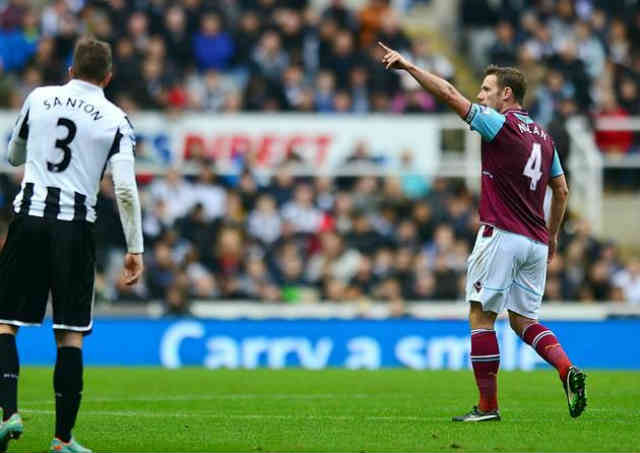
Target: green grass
pixel 147 409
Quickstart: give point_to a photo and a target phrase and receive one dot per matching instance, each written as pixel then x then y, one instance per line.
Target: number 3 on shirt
pixel 532 168
pixel 63 144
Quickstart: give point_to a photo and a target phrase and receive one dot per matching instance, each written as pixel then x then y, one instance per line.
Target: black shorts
pixel 46 255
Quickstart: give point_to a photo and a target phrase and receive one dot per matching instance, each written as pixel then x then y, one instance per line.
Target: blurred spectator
pixel 209 92
pixel 152 88
pixel 555 89
pixel 138 30
pixel 343 58
pixel 628 280
pixel 213 48
pixel 301 212
pixel 567 62
pixel 613 142
pixel 361 284
pixel 590 49
pixel 202 283
pixel 423 56
pixel 333 260
pixel 561 23
pixel 291 276
pixel 294 87
pixel 476 19
pixel 208 194
pixel 264 222
pixel 269 57
pixel 325 83
pixel 371 17
pixel 414 184
pixel 18 44
pixel 565 109
pixel 247 34
pixel 392 34
pixel 629 95
pixel 362 236
pixel 161 272
pixel 175 193
pixel 176 37
pixel 12 14
pixel 503 51
pixel 257 283
pixel 359 89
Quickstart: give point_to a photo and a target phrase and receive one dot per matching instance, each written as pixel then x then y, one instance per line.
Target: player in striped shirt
pixel 508 265
pixel 65 136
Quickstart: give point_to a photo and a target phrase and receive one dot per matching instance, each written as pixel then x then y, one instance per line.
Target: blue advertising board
pixel 315 344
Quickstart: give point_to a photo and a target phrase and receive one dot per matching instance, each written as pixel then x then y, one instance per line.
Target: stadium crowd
pixel 578 55
pixel 221 56
pixel 303 240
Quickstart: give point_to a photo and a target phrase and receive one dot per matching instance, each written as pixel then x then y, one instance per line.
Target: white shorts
pixel 507 271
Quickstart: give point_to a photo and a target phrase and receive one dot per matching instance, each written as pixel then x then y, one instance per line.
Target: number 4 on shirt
pixel 532 168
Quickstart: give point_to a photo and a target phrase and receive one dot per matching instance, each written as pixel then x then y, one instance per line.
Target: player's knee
pixel 67 338
pixel 480 319
pixel 518 323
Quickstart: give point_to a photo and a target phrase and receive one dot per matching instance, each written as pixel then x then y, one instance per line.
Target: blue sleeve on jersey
pixel 485 120
pixel 556 168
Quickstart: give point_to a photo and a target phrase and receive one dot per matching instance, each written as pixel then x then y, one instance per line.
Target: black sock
pixel 9 371
pixel 67 383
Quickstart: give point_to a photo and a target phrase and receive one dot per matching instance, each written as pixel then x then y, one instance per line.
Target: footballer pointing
pixel 508 265
pixel 65 136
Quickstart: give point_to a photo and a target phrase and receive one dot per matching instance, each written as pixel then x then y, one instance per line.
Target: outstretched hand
pixel 393 60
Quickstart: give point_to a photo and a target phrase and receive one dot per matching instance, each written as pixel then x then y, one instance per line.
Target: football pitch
pixel 198 410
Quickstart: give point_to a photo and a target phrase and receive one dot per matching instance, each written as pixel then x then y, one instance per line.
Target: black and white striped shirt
pixel 71 131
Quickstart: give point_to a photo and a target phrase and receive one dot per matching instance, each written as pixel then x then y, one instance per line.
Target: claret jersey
pixel 518 160
pixel 78 132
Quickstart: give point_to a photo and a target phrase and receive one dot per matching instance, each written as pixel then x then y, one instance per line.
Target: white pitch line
pixel 217 415
pixel 156 414
pixel 232 396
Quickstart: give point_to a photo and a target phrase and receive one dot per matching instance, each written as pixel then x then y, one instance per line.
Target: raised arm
pixel 435 85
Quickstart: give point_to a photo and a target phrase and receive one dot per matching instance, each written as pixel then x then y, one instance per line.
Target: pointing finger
pixel 384 47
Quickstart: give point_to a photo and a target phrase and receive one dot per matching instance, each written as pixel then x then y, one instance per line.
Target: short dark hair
pixel 91 60
pixel 509 77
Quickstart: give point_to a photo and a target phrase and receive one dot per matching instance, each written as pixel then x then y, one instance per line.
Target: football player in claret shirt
pixel 508 265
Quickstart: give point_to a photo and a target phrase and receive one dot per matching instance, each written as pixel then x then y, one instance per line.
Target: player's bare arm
pixel 558 207
pixel 435 85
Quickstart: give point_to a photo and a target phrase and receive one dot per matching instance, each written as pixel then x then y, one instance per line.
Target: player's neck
pixel 511 106
pixel 90 82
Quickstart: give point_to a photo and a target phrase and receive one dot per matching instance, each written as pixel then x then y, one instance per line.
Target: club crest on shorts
pixel 477 286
